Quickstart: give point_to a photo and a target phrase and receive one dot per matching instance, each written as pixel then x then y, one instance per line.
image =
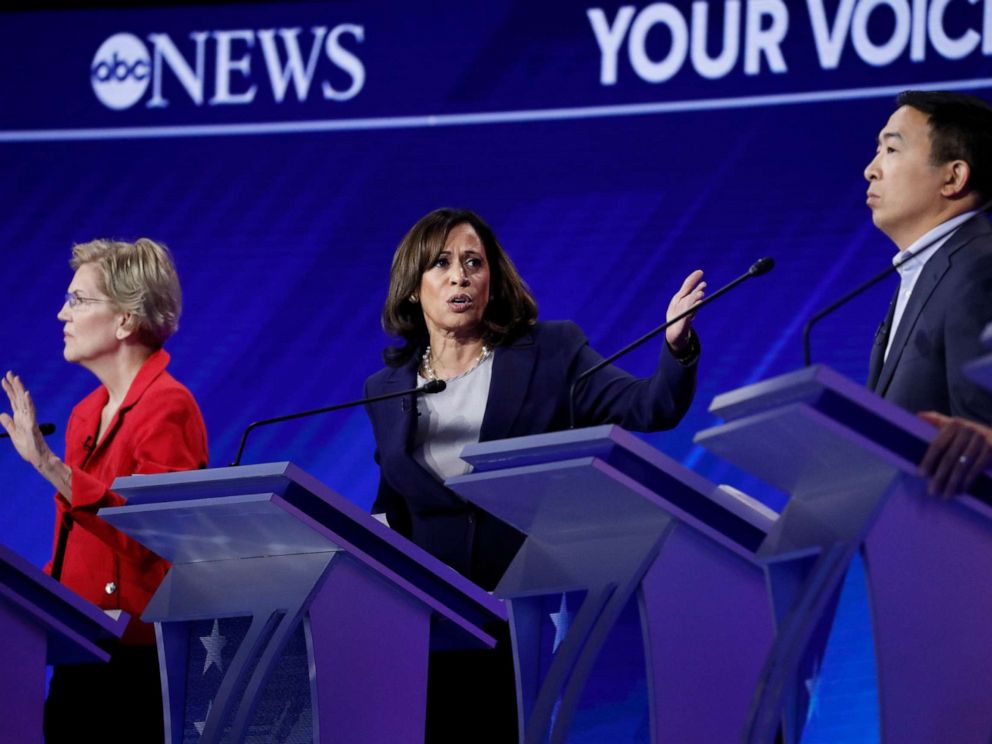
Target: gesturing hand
pixel 22 425
pixel 689 294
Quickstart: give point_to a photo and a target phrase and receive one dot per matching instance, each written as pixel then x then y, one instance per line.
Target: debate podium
pixel 290 614
pixel 980 370
pixel 41 622
pixel 848 460
pixel 607 515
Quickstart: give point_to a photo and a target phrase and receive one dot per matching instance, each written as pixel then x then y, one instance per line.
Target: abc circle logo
pixel 121 71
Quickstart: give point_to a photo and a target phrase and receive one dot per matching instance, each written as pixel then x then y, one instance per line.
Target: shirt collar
pixel 910 261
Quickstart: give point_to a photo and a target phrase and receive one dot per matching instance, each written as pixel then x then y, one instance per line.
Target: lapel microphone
pixel 408 404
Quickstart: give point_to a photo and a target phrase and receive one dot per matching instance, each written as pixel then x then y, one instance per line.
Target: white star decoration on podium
pixel 200 725
pixel 813 690
pixel 561 620
pixel 214 644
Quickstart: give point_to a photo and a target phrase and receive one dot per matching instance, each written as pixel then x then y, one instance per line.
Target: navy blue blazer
pixel 940 330
pixel 528 394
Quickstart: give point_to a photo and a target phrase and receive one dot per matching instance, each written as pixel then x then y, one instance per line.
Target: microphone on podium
pixel 759 267
pixel 816 317
pixel 428 388
pixel 902 259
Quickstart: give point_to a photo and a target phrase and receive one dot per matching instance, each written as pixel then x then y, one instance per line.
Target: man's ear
pixel 957 179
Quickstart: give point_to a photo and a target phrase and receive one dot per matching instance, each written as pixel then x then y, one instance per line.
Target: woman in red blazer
pixel 122 304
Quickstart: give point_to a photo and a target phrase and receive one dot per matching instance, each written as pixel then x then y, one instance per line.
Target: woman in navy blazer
pixel 465 316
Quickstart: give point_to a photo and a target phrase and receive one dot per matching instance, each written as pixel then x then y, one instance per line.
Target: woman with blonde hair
pixel 122 304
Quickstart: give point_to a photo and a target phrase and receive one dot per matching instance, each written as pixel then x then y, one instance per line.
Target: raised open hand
pixel 689 294
pixel 22 423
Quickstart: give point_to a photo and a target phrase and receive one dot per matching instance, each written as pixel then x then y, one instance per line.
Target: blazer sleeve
pixel 612 396
pixel 389 502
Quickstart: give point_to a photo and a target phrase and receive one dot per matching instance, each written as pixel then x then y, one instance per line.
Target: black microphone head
pixel 47 429
pixel 761 266
pixel 433 386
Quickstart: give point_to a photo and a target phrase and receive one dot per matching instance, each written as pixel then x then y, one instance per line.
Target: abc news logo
pixel 125 67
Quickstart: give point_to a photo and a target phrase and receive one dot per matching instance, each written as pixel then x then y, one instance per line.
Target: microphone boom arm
pixel 761 266
pixel 433 386
pixel 815 318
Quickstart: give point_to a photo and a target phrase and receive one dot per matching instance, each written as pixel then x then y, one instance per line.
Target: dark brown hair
pixel 511 308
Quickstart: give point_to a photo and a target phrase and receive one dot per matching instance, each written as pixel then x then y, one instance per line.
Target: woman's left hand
pixel 22 426
pixel 690 293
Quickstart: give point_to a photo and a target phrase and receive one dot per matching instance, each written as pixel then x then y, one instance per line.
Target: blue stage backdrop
pixel 282 151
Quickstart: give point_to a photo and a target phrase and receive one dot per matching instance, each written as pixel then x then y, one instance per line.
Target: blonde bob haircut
pixel 141 279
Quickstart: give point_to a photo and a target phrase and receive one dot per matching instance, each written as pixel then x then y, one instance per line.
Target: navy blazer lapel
pixel 402 413
pixel 399 418
pixel 929 278
pixel 512 368
pixel 878 348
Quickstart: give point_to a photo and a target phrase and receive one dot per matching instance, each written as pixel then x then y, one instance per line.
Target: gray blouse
pixel 451 419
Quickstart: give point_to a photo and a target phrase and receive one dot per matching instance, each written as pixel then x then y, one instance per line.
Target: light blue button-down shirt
pixel 910 262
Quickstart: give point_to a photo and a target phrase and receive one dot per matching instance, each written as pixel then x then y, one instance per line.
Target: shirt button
pixel 110 587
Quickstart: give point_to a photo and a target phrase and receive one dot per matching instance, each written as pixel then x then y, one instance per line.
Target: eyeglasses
pixel 74 300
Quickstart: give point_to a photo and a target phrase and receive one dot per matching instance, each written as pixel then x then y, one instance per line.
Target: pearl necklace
pixel 430 374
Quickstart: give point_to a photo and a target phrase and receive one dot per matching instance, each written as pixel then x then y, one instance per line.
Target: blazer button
pixel 110 587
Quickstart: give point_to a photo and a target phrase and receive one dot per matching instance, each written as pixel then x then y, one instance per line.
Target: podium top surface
pixel 842 401
pixel 835 395
pixel 817 385
pixel 215 514
pixel 71 623
pixel 663 484
pixel 980 370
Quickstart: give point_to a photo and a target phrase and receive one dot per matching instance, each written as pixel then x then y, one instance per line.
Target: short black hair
pixel 960 129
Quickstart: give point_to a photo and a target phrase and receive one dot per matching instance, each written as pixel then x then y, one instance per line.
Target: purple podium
pixel 980 370
pixel 289 613
pixel 608 515
pixel 41 622
pixel 848 461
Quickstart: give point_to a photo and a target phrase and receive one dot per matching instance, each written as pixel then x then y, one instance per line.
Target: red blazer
pixel 157 429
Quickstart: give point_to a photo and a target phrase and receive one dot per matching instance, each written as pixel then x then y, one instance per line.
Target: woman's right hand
pixel 691 293
pixel 22 423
